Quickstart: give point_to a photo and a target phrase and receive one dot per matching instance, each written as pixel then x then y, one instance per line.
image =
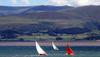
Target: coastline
pixel 48 43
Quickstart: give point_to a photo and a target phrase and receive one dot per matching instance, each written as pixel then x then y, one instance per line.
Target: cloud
pixel 21 2
pixel 88 2
pixel 59 2
pixel 14 2
pixel 75 2
pixel 25 2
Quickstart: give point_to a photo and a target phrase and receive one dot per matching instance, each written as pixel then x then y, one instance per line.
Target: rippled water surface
pixel 18 51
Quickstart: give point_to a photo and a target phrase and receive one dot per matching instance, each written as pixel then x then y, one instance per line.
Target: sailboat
pixel 39 49
pixel 69 51
pixel 54 46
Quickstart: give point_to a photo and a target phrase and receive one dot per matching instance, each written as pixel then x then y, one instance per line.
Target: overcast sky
pixel 49 2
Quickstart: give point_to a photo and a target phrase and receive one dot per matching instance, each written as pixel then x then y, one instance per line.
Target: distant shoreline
pixel 74 43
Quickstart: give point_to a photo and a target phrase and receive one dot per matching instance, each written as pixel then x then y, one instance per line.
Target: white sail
pixel 40 50
pixel 54 46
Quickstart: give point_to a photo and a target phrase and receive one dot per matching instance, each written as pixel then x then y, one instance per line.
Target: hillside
pixel 52 12
pixel 45 17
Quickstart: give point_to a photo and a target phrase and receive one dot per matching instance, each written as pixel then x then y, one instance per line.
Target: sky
pixel 49 2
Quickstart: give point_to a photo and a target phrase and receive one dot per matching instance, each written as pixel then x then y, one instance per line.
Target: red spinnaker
pixel 70 51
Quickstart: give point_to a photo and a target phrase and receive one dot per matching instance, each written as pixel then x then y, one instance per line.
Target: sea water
pixel 30 51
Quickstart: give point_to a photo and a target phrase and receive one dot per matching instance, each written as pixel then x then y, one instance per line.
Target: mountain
pixel 49 8
pixel 7 10
pixel 56 16
pixel 63 12
pixel 85 12
pixel 52 12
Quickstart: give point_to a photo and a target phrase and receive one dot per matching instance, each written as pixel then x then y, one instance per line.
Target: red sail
pixel 70 51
